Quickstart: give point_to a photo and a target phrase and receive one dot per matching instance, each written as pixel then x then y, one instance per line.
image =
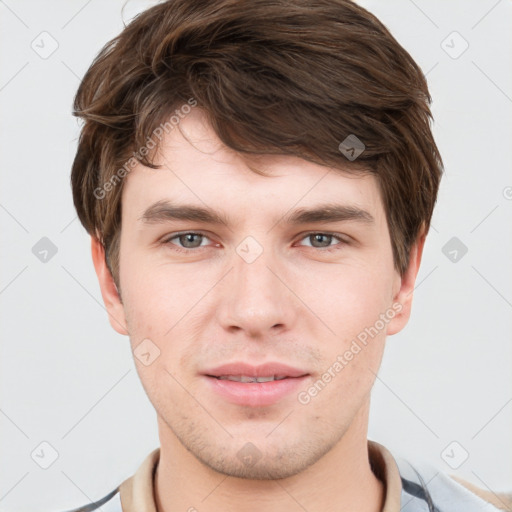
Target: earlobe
pixel 109 292
pixel 403 297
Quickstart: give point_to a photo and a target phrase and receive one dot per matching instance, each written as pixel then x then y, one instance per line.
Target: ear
pixel 403 293
pixel 113 304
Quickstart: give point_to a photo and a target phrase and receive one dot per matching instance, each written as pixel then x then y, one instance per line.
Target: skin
pixel 296 304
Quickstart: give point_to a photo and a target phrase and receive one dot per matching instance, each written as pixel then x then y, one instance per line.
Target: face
pixel 255 281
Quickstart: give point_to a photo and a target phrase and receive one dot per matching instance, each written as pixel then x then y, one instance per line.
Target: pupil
pixel 189 239
pixel 319 237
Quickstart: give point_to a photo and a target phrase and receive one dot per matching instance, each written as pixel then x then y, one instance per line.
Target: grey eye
pixel 321 238
pixel 187 240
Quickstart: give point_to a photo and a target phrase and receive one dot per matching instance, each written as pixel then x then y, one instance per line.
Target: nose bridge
pixel 254 298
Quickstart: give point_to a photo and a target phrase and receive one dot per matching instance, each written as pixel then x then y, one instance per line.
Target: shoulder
pixel 501 500
pixel 425 488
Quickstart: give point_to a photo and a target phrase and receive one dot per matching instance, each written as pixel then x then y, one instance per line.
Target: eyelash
pixel 167 241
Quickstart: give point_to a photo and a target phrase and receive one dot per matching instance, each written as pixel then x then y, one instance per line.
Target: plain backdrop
pixel 444 391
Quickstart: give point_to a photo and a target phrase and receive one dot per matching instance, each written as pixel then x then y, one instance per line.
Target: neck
pixel 340 481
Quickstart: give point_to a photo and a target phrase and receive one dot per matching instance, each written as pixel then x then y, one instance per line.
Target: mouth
pixel 254 386
pixel 247 379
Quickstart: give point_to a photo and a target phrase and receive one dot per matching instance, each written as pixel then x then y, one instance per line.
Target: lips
pixel 246 378
pixel 254 386
pixel 274 370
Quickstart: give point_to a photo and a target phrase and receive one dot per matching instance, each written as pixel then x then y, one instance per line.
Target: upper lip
pixel 264 370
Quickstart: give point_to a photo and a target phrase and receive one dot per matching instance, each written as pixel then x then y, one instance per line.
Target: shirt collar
pixel 137 492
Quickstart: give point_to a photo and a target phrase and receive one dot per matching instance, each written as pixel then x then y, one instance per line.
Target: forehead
pixel 197 168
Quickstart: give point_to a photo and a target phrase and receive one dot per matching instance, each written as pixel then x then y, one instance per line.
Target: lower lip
pixel 255 394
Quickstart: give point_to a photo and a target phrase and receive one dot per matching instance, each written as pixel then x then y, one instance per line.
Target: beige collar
pixel 137 491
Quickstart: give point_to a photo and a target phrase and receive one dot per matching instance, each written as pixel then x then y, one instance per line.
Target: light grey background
pixel 69 380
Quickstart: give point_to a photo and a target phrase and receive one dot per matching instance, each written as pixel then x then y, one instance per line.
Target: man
pixel 258 180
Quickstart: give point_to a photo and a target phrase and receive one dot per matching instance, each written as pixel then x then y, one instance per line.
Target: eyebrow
pixel 164 211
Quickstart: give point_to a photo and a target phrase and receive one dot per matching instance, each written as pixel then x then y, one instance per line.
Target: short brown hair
pixel 289 77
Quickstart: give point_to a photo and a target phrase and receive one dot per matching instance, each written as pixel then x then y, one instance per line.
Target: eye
pixel 190 240
pixel 324 240
pixel 186 241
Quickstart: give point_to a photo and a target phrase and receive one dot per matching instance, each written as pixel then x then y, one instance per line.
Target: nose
pixel 255 297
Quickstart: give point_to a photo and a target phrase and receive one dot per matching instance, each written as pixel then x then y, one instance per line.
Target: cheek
pixel 159 295
pixel 351 305
pixel 346 298
pixel 351 302
pixel 169 306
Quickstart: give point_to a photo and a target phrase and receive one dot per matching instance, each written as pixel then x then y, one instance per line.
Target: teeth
pixel 245 378
pixel 265 379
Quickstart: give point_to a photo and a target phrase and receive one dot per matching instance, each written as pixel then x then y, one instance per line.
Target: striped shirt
pixel 408 488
